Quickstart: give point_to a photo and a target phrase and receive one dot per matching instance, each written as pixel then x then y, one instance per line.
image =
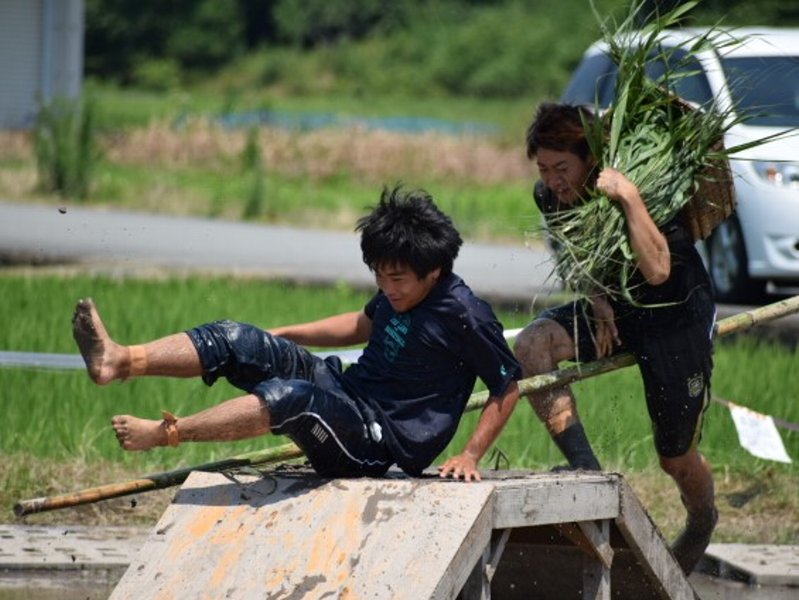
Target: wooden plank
pixel 596 580
pixel 549 498
pixel 646 541
pixel 498 543
pixel 598 536
pixel 596 568
pixel 296 535
pixel 757 564
pixel 574 534
pixel 478 586
pixel 474 550
pixel 589 538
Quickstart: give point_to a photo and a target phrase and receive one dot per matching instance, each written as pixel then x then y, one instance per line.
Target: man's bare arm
pixel 650 246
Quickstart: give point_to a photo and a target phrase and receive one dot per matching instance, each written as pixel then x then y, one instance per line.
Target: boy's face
pixel 403 287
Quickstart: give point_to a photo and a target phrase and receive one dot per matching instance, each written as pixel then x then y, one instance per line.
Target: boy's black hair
pixel 407 228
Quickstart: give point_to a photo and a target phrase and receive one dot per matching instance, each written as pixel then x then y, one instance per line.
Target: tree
pixel 195 34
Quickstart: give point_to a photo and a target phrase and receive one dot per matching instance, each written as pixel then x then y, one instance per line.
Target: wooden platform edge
pixel 646 541
pixel 535 501
pixel 469 554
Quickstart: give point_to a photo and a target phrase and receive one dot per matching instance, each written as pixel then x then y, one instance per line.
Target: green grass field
pixel 136 310
pixel 53 417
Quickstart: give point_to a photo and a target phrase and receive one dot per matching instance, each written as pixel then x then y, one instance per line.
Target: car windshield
pixel 766 89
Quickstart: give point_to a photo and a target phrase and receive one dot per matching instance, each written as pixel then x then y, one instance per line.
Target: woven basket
pixel 713 200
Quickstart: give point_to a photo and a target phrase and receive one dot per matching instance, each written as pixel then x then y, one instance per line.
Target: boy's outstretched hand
pixel 462 465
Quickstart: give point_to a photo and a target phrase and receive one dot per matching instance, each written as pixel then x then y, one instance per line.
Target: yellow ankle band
pixel 138 361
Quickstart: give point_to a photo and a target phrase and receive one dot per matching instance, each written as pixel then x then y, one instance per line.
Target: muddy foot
pixel 139 434
pixel 103 357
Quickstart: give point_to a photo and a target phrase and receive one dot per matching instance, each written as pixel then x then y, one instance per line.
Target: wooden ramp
pixel 289 535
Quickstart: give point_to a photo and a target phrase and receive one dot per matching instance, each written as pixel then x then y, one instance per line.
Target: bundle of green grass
pixel 662 144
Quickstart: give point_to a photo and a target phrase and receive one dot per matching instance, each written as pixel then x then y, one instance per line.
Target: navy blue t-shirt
pixel 419 368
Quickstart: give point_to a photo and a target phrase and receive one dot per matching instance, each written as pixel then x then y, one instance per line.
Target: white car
pixel 759 76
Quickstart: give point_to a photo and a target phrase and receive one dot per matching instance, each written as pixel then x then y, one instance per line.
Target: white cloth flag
pixel 758 434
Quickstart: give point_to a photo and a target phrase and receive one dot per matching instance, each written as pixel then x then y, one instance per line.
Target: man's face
pixel 565 173
pixel 403 288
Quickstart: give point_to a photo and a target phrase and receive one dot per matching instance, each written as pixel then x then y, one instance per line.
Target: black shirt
pixel 419 368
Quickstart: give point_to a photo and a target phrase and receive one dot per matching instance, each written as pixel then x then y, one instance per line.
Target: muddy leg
pixel 106 360
pixel 694 479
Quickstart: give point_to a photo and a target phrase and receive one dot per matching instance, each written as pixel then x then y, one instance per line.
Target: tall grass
pixel 322 178
pixel 66 150
pixel 52 413
pixel 252 163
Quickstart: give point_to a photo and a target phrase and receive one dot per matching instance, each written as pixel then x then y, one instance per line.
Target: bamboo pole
pixel 156 481
pixel 734 324
pixel 749 318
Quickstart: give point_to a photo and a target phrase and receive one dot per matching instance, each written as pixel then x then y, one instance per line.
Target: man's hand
pixel 607 335
pixel 461 465
pixel 615 185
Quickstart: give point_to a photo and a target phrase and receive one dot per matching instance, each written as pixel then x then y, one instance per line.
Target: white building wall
pixel 20 61
pixel 41 56
pixel 66 47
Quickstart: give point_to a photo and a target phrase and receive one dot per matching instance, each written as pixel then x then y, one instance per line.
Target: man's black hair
pixel 559 127
pixel 407 228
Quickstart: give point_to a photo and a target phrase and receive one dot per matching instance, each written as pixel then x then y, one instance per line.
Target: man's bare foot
pixel 134 433
pixel 105 359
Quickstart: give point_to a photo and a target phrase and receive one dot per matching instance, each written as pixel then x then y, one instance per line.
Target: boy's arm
pixel 493 418
pixel 345 329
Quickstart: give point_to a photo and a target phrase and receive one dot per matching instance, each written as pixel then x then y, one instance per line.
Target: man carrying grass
pixel 428 338
pixel 667 326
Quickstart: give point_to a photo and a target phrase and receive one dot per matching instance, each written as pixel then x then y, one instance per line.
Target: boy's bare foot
pixel 105 359
pixel 134 433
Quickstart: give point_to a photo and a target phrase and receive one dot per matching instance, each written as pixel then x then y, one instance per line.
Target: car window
pixel 690 83
pixel 766 89
pixel 593 79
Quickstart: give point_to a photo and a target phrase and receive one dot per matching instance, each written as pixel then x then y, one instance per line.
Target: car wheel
pixel 728 268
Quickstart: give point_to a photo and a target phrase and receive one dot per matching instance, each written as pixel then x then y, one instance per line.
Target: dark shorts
pixel 302 392
pixel 675 365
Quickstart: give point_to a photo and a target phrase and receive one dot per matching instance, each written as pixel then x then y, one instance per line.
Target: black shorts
pixel 302 392
pixel 675 365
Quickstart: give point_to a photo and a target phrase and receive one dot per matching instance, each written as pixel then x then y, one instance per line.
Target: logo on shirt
pixel 319 433
pixel 396 334
pixel 696 385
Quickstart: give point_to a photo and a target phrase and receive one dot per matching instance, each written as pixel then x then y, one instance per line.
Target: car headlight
pixel 783 174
